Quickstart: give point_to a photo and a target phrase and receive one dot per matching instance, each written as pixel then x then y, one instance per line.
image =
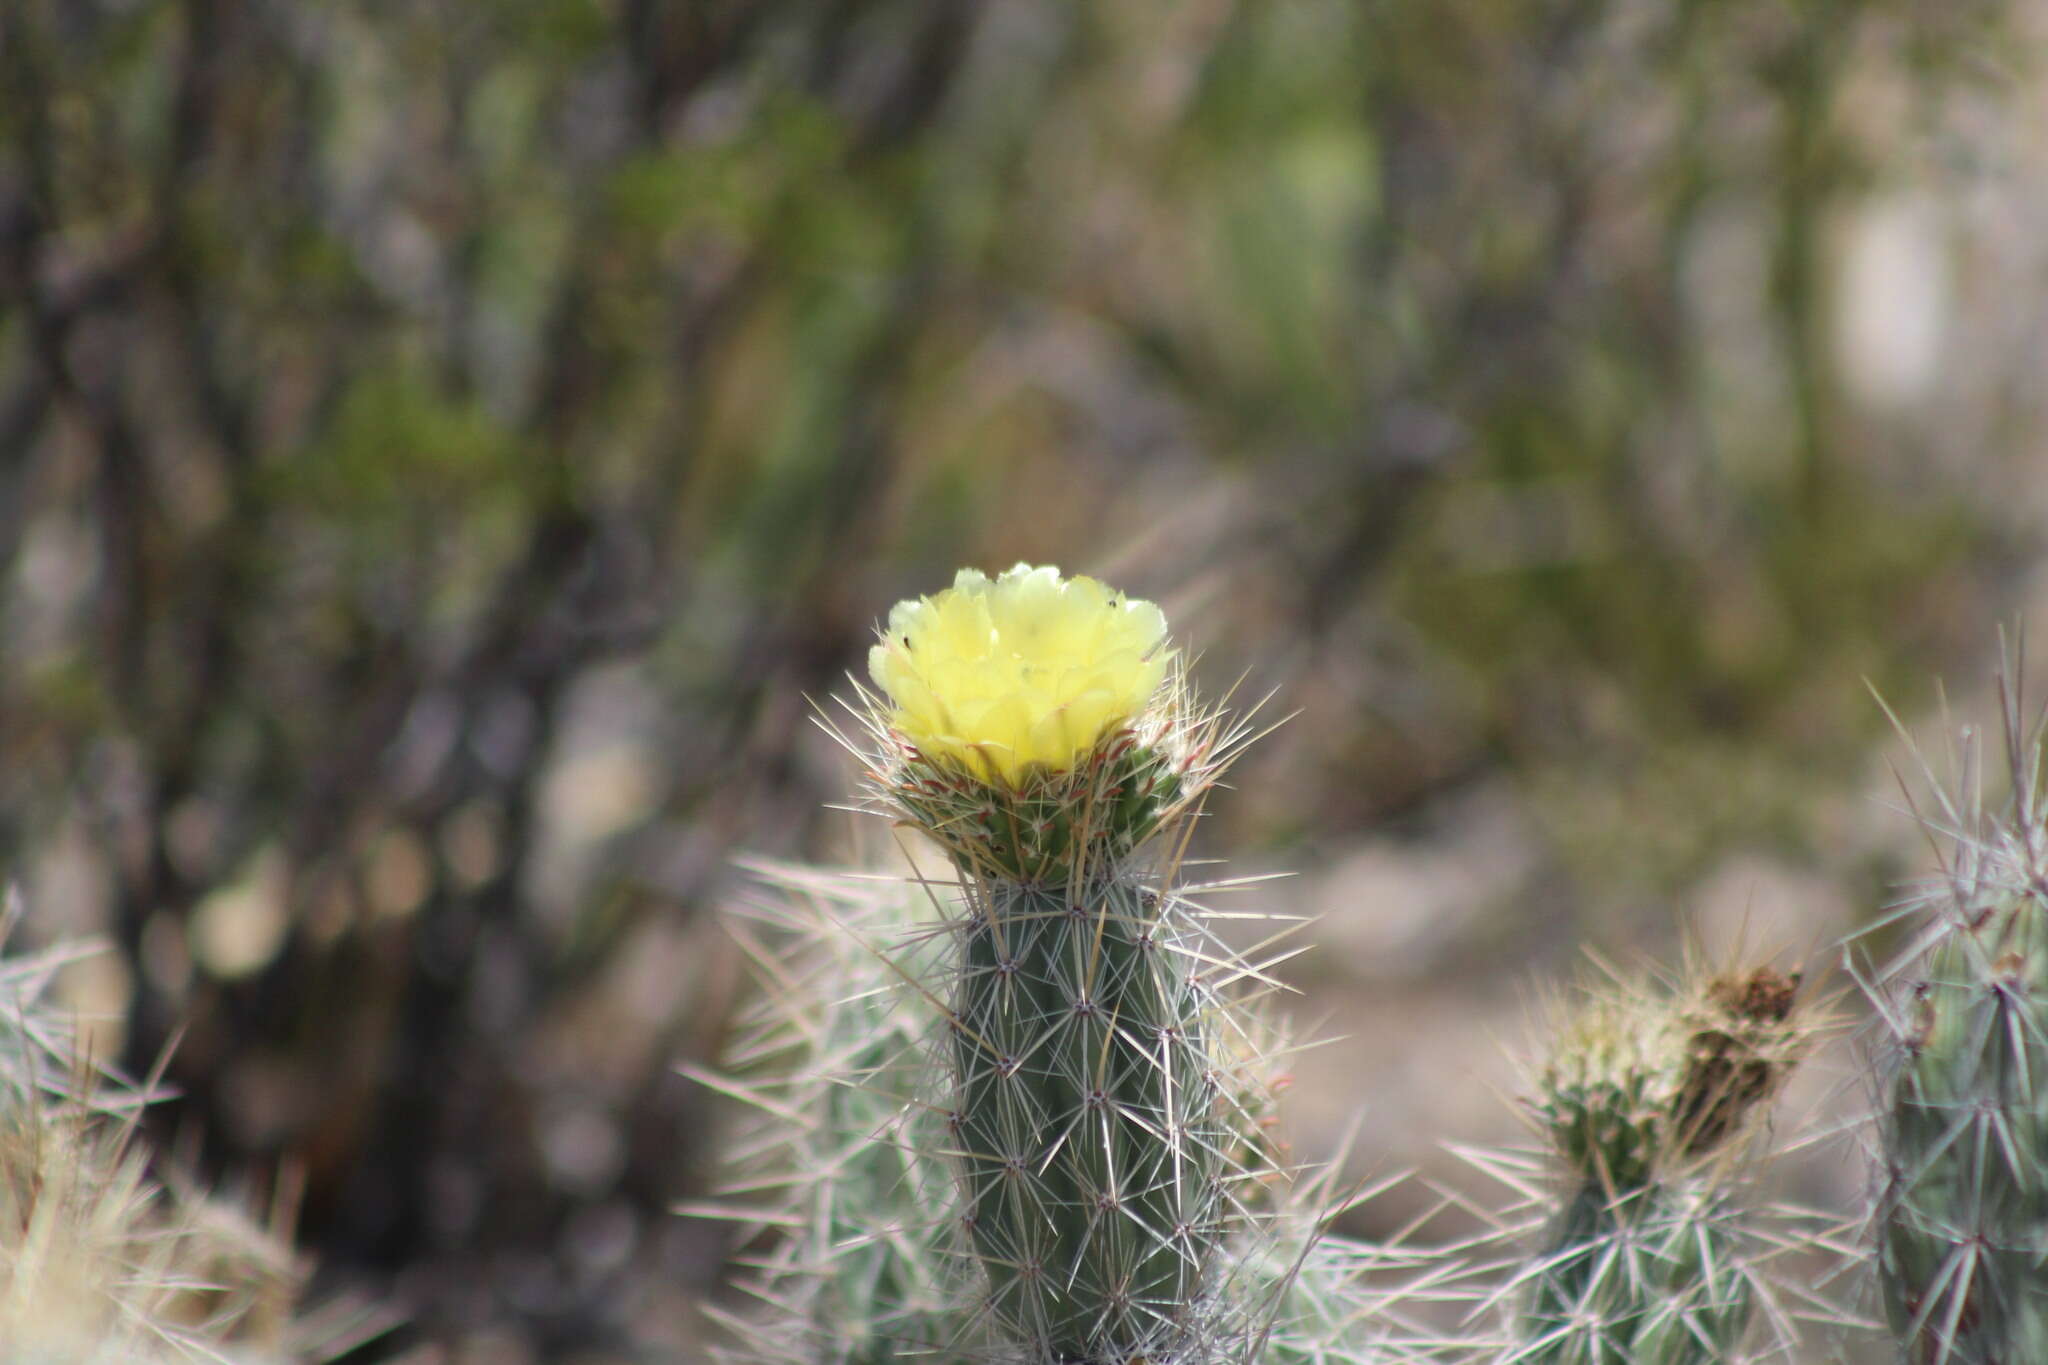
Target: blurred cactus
pixel 1648 1255
pixel 1963 1236
pixel 100 1262
pixel 1638 1084
pixel 837 1159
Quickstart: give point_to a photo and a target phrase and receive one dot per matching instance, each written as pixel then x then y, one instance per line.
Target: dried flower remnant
pixel 1742 1046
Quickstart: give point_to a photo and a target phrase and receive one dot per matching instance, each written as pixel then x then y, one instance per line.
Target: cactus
pixel 838 1157
pixel 1963 1217
pixel 1020 1114
pixel 1083 1123
pixel 845 1167
pixel 1034 727
pixel 1649 1256
pixel 1023 1115
pixel 101 1264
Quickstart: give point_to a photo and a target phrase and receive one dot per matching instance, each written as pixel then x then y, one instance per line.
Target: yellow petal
pixel 1028 669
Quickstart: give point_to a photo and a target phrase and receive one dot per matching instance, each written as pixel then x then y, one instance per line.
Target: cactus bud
pixel 1649 1262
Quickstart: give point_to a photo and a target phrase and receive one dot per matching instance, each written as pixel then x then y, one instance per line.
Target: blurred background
pixel 446 447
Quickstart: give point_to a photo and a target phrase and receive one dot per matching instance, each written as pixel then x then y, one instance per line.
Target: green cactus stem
pixel 1091 1157
pixel 1963 1215
pixel 847 1165
pixel 1654 1276
pixel 1964 1247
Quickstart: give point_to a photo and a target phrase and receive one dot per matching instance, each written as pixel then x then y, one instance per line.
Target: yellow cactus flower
pixel 1026 671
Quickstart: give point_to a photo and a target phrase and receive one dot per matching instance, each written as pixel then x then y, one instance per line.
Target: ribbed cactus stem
pixel 1090 1156
pixel 1964 1252
pixel 1653 1276
pixel 1963 1215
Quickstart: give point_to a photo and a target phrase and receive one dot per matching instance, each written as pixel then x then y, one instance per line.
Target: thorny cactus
pixel 1017 1114
pixel 1035 727
pixel 838 1160
pixel 1648 1256
pixel 1963 1217
pixel 101 1264
pixel 1020 1114
pixel 844 1167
